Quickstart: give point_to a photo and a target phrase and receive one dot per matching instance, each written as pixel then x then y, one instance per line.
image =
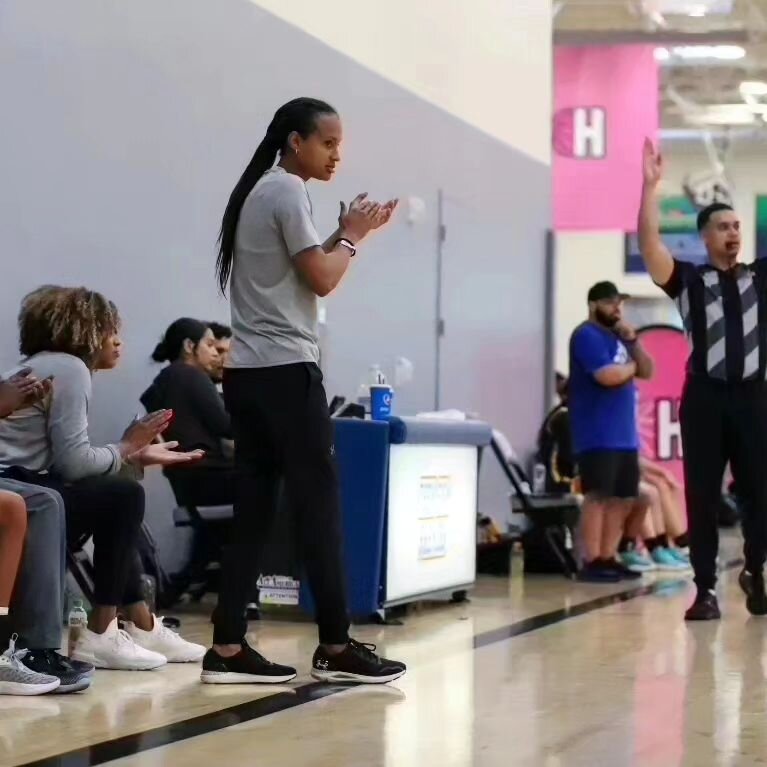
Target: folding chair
pixel 555 515
pixel 195 576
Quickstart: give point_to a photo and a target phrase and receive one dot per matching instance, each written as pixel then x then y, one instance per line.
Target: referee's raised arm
pixel 656 256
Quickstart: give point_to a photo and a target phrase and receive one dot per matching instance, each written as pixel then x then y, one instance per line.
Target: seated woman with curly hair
pixel 67 334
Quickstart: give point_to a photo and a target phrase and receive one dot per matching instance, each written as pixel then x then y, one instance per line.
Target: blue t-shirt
pixel 601 417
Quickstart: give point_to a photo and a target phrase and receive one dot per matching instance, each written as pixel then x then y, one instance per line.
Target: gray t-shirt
pixel 274 313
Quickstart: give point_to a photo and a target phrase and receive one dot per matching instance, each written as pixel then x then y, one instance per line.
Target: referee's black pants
pixel 724 423
pixel 282 429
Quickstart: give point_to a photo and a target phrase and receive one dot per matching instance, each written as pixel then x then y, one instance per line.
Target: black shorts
pixel 609 473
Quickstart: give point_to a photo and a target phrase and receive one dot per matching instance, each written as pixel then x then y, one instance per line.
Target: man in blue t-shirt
pixel 605 357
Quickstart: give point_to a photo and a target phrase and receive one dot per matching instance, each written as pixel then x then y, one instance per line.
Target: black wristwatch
pixel 348 244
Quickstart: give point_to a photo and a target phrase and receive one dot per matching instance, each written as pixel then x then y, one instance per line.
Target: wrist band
pixel 347 244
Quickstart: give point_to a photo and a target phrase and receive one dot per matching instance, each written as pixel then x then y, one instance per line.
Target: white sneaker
pixel 115 649
pixel 166 642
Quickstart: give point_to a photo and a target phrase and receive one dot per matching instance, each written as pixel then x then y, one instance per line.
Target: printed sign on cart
pixel 436 492
pixel 432 519
pixel 278 590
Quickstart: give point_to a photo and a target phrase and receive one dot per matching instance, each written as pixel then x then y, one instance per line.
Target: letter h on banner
pixel 589 133
pixel 669 431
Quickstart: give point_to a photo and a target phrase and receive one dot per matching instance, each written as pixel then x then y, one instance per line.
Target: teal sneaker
pixel 637 562
pixel 665 560
pixel 680 556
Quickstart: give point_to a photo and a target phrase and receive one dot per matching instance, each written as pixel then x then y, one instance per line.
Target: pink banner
pixel 606 102
pixel 659 428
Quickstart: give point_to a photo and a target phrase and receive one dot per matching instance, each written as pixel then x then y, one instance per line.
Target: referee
pixel 724 404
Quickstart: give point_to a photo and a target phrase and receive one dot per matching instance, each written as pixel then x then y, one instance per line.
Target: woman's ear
pixel 294 142
pixel 188 347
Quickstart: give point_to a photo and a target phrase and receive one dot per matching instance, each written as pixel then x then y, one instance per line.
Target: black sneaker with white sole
pixel 246 667
pixel 357 664
pixel 73 678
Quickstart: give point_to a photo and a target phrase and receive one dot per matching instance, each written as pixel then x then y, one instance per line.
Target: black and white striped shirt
pixel 725 317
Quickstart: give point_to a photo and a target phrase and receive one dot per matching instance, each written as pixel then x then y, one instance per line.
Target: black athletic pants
pixel 282 429
pixel 721 423
pixel 111 509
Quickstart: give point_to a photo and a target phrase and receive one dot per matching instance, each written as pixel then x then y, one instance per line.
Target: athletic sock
pixel 660 541
pixel 626 544
pixel 682 541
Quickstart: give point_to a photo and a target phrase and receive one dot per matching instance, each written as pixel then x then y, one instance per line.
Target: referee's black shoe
pixel 704 608
pixel 752 585
pixel 745 581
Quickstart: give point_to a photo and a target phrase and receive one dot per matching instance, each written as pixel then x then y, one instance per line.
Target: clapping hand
pixel 165 454
pixel 362 216
pixel 384 214
pixel 143 431
pixel 22 390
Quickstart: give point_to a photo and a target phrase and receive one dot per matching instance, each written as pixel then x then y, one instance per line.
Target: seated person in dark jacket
pixel 554 444
pixel 200 418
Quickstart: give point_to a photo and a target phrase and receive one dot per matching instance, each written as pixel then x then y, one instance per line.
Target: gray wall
pixel 124 128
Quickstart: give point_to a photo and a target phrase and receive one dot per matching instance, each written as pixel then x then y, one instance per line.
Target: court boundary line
pixel 204 724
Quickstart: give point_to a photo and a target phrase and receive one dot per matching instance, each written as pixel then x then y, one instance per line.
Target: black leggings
pixel 111 509
pixel 282 429
pixel 724 423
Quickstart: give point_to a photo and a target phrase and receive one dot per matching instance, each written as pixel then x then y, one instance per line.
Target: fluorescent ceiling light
pixel 722 114
pixel 683 53
pixel 721 52
pixel 692 7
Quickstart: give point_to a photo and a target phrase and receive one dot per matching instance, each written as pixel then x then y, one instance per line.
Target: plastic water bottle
pixel 539 479
pixel 77 622
pixel 149 590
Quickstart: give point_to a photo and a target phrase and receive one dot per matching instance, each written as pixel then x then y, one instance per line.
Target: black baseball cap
pixel 606 290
